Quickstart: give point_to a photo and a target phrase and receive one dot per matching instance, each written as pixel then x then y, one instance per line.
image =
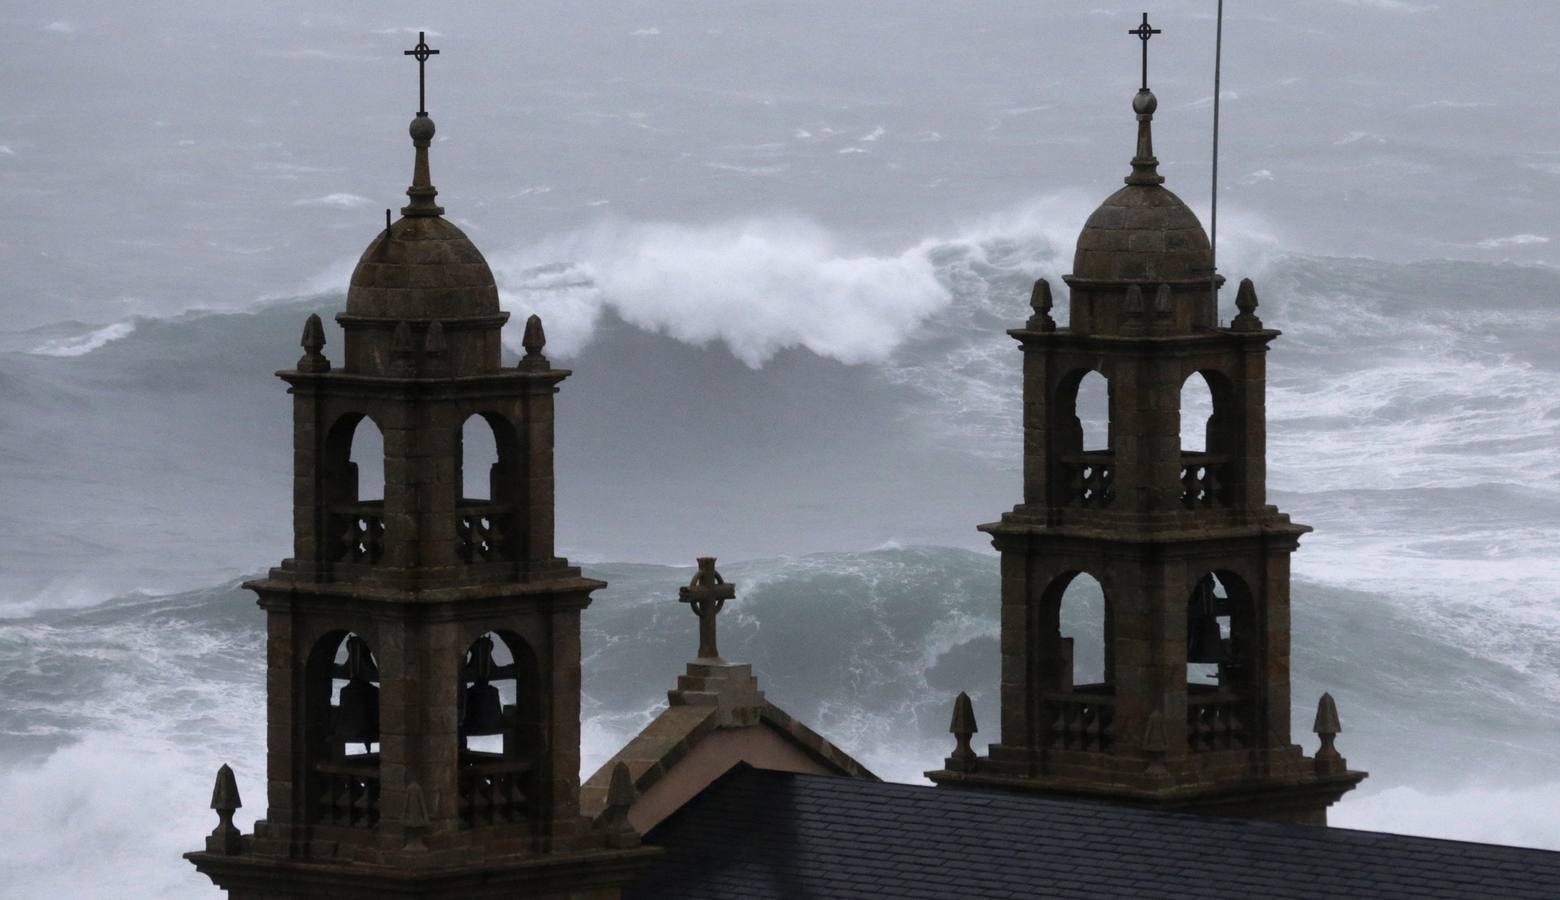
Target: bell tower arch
pixel 423 646
pixel 1194 711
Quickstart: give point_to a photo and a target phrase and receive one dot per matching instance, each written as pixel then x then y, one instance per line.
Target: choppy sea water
pixel 1413 421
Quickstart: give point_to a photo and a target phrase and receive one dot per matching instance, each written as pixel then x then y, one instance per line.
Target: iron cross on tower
pixel 422 52
pixel 1142 32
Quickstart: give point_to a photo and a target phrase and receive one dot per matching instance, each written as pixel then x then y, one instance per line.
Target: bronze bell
pixel 484 711
pixel 357 718
pixel 1204 642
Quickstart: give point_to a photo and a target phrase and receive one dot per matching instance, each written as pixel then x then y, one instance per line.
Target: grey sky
pixel 158 156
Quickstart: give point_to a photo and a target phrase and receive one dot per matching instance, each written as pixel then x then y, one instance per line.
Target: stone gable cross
pixel 706 594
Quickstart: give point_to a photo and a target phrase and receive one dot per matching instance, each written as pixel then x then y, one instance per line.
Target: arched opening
pixel 354 470
pixel 1082 630
pixel 501 729
pixel 491 483
pixel 1092 410
pixel 1211 435
pixel 1196 413
pixel 1221 662
pixel 1083 472
pixel 341 706
pixel 479 459
pixel 1077 702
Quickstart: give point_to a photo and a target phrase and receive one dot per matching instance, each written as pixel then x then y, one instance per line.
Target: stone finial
pixel 533 341
pixel 414 817
pixel 434 344
pixel 613 822
pixel 1328 760
pixel 1154 744
pixel 313 342
pixel 706 595
pixel 402 353
pixel 963 729
pixel 1162 300
pixel 1132 311
pixel 401 338
pixel 224 838
pixel 1040 302
pixel 1145 166
pixel 1133 305
pixel 1246 302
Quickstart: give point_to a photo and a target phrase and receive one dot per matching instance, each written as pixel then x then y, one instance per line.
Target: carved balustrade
pixel 359 529
pixel 482 530
pixel 1090 479
pixel 1207 481
pixel 347 795
pixel 492 792
pixel 1080 720
pixel 1216 721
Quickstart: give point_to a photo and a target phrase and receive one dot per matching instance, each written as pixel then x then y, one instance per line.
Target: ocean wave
pixel 757 286
pixel 80 345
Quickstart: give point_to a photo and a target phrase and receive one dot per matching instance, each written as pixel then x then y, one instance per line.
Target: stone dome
pixel 422 267
pixel 1143 232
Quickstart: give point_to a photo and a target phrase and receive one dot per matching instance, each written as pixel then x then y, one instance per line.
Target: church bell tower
pixel 1192 711
pixel 423 647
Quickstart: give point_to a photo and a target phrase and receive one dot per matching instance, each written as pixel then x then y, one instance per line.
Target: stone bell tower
pixel 1193 709
pixel 423 649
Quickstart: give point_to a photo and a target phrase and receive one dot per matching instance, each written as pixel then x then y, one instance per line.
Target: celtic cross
pixel 421 52
pixel 705 595
pixel 1143 32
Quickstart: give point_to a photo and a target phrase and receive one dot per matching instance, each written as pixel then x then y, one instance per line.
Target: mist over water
pixel 779 249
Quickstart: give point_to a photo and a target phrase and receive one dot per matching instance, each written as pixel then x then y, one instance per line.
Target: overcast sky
pixel 159 156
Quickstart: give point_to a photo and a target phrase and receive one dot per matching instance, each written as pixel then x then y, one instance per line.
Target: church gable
pixel 717 718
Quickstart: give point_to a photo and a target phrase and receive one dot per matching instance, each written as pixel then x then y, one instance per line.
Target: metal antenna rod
pixel 1213 240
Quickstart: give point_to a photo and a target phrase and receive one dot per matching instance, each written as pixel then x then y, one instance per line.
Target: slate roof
pixel 755 834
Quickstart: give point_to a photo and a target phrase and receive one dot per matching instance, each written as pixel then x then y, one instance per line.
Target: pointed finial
pixel 433 344
pixel 402 353
pixel 401 338
pixel 1328 760
pixel 1145 168
pixel 224 838
pixel 1154 743
pixel 416 813
pixel 313 342
pixel 414 817
pixel 613 822
pixel 1246 302
pixel 1133 305
pixel 963 729
pixel 706 595
pixel 533 341
pixel 422 190
pixel 1040 302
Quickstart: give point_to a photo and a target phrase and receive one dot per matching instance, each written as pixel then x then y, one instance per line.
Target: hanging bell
pixel 357 718
pixel 484 712
pixel 1204 642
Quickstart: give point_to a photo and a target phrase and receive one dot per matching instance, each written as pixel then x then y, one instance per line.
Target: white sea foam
pixel 758 286
pixel 80 345
pixel 1527 816
pixel 337 201
pixel 1514 240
